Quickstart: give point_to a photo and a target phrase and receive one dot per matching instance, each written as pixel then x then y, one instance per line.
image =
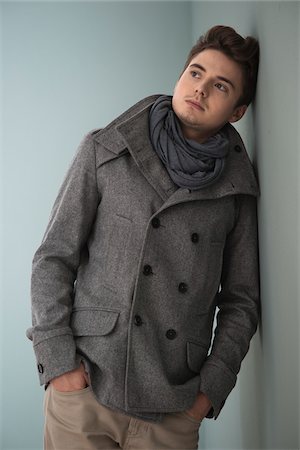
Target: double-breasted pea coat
pixel 132 269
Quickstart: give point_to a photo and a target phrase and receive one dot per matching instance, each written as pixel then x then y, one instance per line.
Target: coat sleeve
pixel 55 265
pixel 238 307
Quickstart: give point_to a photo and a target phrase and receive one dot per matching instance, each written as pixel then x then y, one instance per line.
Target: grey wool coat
pixel 132 269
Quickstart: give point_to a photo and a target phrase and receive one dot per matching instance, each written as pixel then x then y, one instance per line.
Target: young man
pixel 153 229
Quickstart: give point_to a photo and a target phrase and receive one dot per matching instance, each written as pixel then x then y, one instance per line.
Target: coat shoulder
pixel 239 166
pixel 109 142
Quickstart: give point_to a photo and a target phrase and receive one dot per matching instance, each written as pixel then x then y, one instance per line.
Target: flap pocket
pixel 196 354
pixel 93 321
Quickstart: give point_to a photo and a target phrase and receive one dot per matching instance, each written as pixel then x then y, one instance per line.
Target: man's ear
pixel 238 113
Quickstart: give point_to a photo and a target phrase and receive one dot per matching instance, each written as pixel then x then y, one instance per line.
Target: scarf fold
pixel 190 165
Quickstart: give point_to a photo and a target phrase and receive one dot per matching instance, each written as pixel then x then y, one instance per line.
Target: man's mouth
pixel 195 105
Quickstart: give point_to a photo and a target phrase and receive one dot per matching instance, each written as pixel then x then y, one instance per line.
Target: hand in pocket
pixel 74 380
pixel 200 408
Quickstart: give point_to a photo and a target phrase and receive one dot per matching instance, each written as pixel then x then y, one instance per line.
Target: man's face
pixel 206 95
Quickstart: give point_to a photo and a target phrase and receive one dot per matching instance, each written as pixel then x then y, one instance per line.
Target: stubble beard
pixel 193 129
pixel 187 121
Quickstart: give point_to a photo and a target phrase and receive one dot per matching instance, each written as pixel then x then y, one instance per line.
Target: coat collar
pixel 130 132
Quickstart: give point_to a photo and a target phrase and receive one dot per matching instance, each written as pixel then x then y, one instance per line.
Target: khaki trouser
pixel 76 421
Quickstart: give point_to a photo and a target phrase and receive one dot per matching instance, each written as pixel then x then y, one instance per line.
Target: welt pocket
pixel 216 243
pixel 93 321
pixel 196 354
pixel 123 217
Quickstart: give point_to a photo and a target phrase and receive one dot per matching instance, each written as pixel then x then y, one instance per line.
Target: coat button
pixel 171 334
pixel 238 148
pixel 155 222
pixel 40 368
pixel 182 287
pixel 138 320
pixel 147 270
pixel 195 238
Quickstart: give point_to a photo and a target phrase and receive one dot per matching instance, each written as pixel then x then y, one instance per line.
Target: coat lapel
pixel 130 133
pixel 136 136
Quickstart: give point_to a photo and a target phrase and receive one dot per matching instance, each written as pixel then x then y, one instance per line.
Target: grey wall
pixel 263 411
pixel 69 67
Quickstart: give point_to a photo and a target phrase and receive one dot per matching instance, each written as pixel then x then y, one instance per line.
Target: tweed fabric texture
pixel 145 335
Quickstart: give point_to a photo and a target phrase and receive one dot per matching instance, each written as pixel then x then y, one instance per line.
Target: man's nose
pixel 202 89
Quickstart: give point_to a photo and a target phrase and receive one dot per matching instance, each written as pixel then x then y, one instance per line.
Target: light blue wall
pixel 276 123
pixel 263 411
pixel 1 223
pixel 68 68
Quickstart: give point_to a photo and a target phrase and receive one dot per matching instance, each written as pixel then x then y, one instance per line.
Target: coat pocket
pixel 196 354
pixel 93 321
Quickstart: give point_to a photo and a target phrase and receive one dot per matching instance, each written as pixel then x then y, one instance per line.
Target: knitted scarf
pixel 190 164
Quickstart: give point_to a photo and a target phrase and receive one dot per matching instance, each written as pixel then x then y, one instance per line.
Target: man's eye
pixel 221 87
pixel 195 74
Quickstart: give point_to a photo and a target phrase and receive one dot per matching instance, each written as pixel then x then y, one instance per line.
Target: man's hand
pixel 200 408
pixel 71 381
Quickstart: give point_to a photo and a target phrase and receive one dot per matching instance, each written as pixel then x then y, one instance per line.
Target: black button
pixel 40 368
pixel 155 222
pixel 182 287
pixel 238 148
pixel 147 270
pixel 171 334
pixel 138 320
pixel 195 238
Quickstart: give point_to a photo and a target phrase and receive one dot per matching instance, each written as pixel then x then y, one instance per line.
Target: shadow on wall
pixel 251 396
pixel 251 377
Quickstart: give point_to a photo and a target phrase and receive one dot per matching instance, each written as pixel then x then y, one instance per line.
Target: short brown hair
pixel 244 51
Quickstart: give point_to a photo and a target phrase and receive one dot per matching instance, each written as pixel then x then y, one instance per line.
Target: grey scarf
pixel 190 164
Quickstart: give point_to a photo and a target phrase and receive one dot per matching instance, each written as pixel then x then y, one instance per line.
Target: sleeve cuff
pixel 216 381
pixel 55 356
